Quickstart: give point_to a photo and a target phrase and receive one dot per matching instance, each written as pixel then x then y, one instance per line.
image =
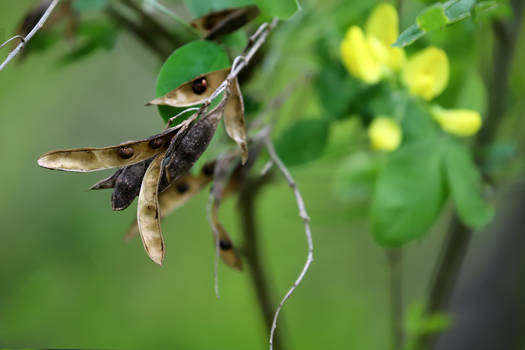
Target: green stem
pixel 395 265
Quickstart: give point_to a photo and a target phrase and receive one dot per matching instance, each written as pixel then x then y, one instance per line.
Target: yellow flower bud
pixel 385 134
pixel 426 73
pixel 358 58
pixel 460 122
pixel 382 30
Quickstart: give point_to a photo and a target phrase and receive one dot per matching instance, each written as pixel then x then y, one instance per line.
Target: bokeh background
pixel 67 279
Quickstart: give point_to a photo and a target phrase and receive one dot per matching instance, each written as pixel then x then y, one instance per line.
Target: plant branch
pixel 251 250
pixel 395 265
pixel 306 221
pixel 459 236
pixel 32 33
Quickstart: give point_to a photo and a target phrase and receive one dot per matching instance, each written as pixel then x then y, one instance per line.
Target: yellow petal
pixel 391 58
pixel 385 134
pixel 426 73
pixel 460 122
pixel 358 58
pixel 383 24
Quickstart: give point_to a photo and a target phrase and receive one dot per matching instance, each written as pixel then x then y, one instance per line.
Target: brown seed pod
pixel 148 216
pixel 223 22
pixel 226 250
pixel 190 147
pixel 234 119
pixel 93 159
pixel 194 91
pixel 108 182
pixel 127 185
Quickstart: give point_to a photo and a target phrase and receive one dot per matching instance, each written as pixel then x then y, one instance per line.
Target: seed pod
pixel 223 22
pixel 234 119
pixel 193 92
pixel 93 159
pixel 108 182
pixel 175 197
pixel 127 185
pixel 227 252
pixel 191 146
pixel 148 216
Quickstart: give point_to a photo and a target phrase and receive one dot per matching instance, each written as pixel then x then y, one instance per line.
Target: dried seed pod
pixel 173 198
pixel 148 216
pixel 190 147
pixel 224 22
pixel 93 159
pixel 127 185
pixel 234 119
pixel 227 252
pixel 108 182
pixel 193 92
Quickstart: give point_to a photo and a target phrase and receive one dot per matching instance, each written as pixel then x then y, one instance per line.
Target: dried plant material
pixel 226 250
pixel 178 194
pixel 93 159
pixel 108 182
pixel 127 185
pixel 190 147
pixel 224 22
pixel 193 92
pixel 234 119
pixel 148 216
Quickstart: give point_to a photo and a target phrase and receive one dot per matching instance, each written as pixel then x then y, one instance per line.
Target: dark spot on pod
pixel 208 169
pixel 225 245
pixel 199 85
pixel 156 143
pixel 126 152
pixel 183 187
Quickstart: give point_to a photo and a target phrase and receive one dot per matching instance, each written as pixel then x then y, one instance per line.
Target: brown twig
pixel 32 33
pixel 458 235
pixel 395 265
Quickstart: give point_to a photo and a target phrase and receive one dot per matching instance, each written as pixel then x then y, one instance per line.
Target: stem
pixel 459 236
pixel 395 264
pixel 261 285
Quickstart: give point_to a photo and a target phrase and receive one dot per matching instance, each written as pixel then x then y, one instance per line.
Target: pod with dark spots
pixel 127 185
pixel 148 215
pixel 223 22
pixel 226 249
pixel 108 182
pixel 190 146
pixel 93 159
pixel 193 92
pixel 234 119
pixel 172 198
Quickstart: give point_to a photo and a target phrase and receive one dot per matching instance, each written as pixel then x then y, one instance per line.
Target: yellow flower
pixel 426 73
pixel 369 56
pixel 385 134
pixel 460 122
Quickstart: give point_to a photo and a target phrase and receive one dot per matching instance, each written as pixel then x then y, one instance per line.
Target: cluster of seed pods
pixel 157 169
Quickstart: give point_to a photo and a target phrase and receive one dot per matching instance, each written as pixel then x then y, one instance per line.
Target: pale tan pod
pixel 192 92
pixel 234 119
pixel 225 21
pixel 226 249
pixel 93 159
pixel 173 198
pixel 148 217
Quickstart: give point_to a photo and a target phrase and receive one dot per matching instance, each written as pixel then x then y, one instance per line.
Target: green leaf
pixel 466 186
pixel 282 9
pixel 456 10
pixel 89 5
pixel 199 8
pixel 303 142
pixel 409 194
pixel 354 177
pixel 433 17
pixel 416 123
pixel 184 64
pixel 92 36
pixel 408 36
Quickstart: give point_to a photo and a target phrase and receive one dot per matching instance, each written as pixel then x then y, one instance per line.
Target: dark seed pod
pixel 126 152
pixel 127 185
pixel 199 86
pixel 223 22
pixel 225 245
pixel 108 182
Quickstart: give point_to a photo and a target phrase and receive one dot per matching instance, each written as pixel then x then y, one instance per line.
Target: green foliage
pixel 409 194
pixel 417 323
pixel 303 142
pixel 89 5
pixel 200 8
pixel 466 186
pixel 355 176
pixel 184 64
pixel 433 17
pixel 282 9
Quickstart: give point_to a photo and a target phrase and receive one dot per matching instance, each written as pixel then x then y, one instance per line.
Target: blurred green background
pixel 67 279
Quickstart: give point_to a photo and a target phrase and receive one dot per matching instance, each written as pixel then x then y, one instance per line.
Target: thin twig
pixel 20 37
pixel 209 205
pixel 32 33
pixel 306 220
pixel 394 257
